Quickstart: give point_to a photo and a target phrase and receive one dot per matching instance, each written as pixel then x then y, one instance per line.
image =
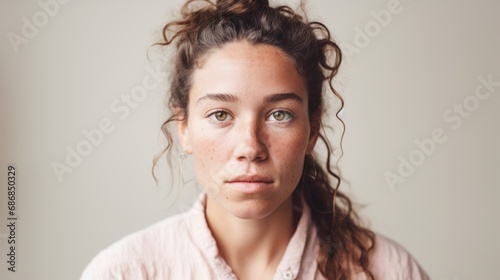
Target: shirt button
pixel 288 275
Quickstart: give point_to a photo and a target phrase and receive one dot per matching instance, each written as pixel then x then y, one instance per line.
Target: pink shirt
pixel 182 247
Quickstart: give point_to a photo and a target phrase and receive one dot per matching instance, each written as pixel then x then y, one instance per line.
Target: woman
pixel 246 93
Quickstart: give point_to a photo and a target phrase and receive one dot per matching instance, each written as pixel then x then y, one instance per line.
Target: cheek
pixel 294 141
pixel 209 153
pixel 290 153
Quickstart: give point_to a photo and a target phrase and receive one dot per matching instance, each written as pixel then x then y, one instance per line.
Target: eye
pixel 280 116
pixel 220 116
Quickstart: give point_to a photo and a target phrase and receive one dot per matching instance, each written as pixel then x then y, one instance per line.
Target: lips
pixel 250 184
pixel 250 179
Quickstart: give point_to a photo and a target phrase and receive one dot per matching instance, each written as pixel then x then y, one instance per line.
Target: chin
pixel 250 209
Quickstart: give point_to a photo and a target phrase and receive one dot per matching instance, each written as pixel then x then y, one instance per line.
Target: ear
pixel 314 134
pixel 182 129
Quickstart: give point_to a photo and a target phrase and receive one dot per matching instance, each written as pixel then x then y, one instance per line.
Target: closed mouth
pixel 250 179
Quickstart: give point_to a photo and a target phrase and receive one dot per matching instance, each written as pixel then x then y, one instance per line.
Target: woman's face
pixel 248 128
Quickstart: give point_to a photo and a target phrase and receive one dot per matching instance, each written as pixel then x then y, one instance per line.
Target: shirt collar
pixel 290 264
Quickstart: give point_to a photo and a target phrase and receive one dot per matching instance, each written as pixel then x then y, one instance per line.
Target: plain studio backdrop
pixel 81 107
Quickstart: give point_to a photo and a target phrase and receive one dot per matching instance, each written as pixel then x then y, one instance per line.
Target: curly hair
pixel 345 245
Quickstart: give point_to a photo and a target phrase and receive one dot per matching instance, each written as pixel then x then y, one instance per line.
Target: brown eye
pixel 279 115
pixel 219 116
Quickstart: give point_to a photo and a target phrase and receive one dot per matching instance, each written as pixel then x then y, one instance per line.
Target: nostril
pixel 251 149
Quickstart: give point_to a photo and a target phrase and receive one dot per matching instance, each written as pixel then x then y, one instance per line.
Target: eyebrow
pixel 276 97
pixel 283 96
pixel 219 97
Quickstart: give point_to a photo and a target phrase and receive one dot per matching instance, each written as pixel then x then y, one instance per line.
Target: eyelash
pixel 212 116
pixel 288 116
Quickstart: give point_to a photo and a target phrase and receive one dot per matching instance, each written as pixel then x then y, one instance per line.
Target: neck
pixel 252 244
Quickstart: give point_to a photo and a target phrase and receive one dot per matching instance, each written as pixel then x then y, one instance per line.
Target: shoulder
pixel 390 260
pixel 143 253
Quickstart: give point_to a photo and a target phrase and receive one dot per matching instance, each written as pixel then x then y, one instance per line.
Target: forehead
pixel 244 67
pixel 244 50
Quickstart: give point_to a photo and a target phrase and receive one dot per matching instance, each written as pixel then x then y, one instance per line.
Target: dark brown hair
pixel 345 243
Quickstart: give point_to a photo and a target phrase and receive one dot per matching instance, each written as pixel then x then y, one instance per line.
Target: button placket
pixel 288 274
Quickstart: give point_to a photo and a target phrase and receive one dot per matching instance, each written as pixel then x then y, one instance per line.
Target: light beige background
pixel 397 88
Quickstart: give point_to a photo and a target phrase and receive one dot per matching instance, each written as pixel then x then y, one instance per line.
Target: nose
pixel 250 144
